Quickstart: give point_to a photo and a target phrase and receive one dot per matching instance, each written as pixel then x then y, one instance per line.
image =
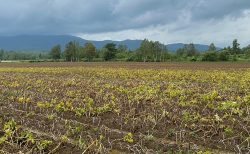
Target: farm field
pixel 125 108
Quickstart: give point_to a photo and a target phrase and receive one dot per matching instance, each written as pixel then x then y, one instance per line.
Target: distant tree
pixel 122 52
pixel 180 52
pixel 190 49
pixel 247 53
pixel 145 49
pixel 236 47
pixel 111 51
pixel 72 51
pixel 210 56
pixel 157 50
pixel 68 52
pixel 132 56
pixel 111 47
pixel 122 48
pixel 229 49
pixel 224 55
pixel 152 51
pixel 56 52
pixel 79 51
pixel 40 55
pixel 212 47
pixel 122 55
pixel 100 53
pixel 90 51
pixel 1 54
pixel 166 55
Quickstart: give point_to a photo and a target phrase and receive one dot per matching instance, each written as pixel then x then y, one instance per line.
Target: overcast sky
pixel 168 21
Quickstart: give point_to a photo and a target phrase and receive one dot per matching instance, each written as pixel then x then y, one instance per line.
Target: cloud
pixel 163 20
pixel 220 32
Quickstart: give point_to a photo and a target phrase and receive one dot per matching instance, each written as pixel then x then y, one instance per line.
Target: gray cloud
pixel 99 17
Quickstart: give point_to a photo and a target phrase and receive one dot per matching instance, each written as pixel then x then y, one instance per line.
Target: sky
pixel 167 21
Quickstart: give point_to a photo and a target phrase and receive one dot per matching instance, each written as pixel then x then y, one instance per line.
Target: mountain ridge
pixel 46 42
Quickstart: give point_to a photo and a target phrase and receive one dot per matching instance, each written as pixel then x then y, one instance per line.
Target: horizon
pixel 64 35
pixel 128 39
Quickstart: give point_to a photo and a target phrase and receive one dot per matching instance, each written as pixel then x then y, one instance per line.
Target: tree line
pixel 23 55
pixel 149 51
pixel 153 51
pixel 230 53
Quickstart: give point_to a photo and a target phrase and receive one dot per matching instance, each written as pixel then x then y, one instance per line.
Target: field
pixel 125 108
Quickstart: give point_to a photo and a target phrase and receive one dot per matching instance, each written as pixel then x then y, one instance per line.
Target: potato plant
pixel 136 108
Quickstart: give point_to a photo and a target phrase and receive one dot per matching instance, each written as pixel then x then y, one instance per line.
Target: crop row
pixel 142 109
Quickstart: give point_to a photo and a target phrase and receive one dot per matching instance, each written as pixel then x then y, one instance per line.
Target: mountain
pixel 46 42
pixel 34 42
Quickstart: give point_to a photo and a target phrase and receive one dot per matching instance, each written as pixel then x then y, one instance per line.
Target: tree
pixel 152 51
pixel 145 49
pixel 68 52
pixel 79 51
pixel 210 56
pixel 158 50
pixel 56 52
pixel 72 51
pixel 236 47
pixel 229 49
pixel 40 55
pixel 90 51
pixel 246 51
pixel 190 49
pixel 224 55
pixel 122 48
pixel 111 51
pixel 212 47
pixel 1 54
pixel 180 52
pixel 122 55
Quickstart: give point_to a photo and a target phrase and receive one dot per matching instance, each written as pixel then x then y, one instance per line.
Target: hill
pixel 46 42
